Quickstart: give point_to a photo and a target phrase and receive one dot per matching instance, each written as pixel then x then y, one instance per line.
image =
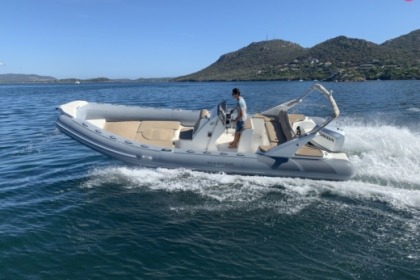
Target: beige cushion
pixel 204 113
pixel 159 124
pixel 309 151
pixel 302 151
pixel 126 129
pixel 295 118
pixel 157 133
pixel 274 132
pixel 259 116
pixel 248 124
pixel 265 148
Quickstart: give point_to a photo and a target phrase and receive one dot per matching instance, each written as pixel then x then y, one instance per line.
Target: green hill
pixel 25 78
pixel 409 42
pixel 31 78
pixel 340 58
pixel 248 63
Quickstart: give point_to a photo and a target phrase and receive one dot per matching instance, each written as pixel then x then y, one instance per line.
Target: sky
pixel 169 38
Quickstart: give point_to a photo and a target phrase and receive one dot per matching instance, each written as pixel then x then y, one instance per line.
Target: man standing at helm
pixel 241 117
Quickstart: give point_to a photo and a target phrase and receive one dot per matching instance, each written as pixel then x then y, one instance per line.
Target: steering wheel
pixel 222 112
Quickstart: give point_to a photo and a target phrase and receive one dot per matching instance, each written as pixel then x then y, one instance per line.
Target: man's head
pixel 236 92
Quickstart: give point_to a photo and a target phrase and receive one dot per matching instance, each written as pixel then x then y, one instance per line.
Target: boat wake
pixel 382 200
pixel 384 154
pixel 414 109
pixel 386 159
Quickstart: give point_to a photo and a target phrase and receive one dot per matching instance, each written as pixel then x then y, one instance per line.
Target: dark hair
pixel 236 91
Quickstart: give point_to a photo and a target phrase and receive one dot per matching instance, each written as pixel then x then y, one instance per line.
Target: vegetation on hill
pixel 25 78
pixel 249 62
pixel 409 42
pixel 340 58
pixel 31 78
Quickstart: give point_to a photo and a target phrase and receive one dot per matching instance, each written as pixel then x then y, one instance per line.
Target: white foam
pixel 386 159
pixel 384 154
pixel 414 109
pixel 296 194
pixel 220 187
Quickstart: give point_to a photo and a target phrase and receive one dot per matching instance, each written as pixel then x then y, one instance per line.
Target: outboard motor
pixel 332 139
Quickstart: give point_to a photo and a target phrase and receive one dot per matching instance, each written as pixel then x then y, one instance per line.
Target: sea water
pixel 68 212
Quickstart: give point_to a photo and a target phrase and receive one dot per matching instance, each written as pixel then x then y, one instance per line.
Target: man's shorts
pixel 239 126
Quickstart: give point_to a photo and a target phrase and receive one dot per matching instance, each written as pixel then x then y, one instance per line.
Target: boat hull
pixel 228 162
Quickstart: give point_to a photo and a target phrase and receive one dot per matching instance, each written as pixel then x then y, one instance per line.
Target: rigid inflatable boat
pixel 275 142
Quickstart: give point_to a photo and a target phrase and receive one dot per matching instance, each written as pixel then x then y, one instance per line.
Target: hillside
pixel 248 62
pixel 339 58
pixel 25 78
pixel 408 42
pixel 31 78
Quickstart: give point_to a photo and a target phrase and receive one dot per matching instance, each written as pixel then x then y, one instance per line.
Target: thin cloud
pixel 2 64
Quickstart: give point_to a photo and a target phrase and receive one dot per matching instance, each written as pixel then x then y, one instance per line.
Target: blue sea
pixel 68 212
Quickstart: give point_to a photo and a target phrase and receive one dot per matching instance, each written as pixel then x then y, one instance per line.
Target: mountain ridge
pixel 340 58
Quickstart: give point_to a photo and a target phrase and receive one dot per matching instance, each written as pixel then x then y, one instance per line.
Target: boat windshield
pixel 221 111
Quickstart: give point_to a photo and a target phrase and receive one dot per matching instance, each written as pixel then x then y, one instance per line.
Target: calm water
pixel 67 212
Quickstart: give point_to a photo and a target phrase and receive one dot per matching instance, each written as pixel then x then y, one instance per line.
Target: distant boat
pixel 77 82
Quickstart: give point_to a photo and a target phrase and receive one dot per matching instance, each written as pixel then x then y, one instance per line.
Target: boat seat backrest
pixel 273 130
pixel 279 130
pixel 285 125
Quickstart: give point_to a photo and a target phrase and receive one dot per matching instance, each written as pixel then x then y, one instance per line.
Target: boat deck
pixel 169 134
pixel 157 133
